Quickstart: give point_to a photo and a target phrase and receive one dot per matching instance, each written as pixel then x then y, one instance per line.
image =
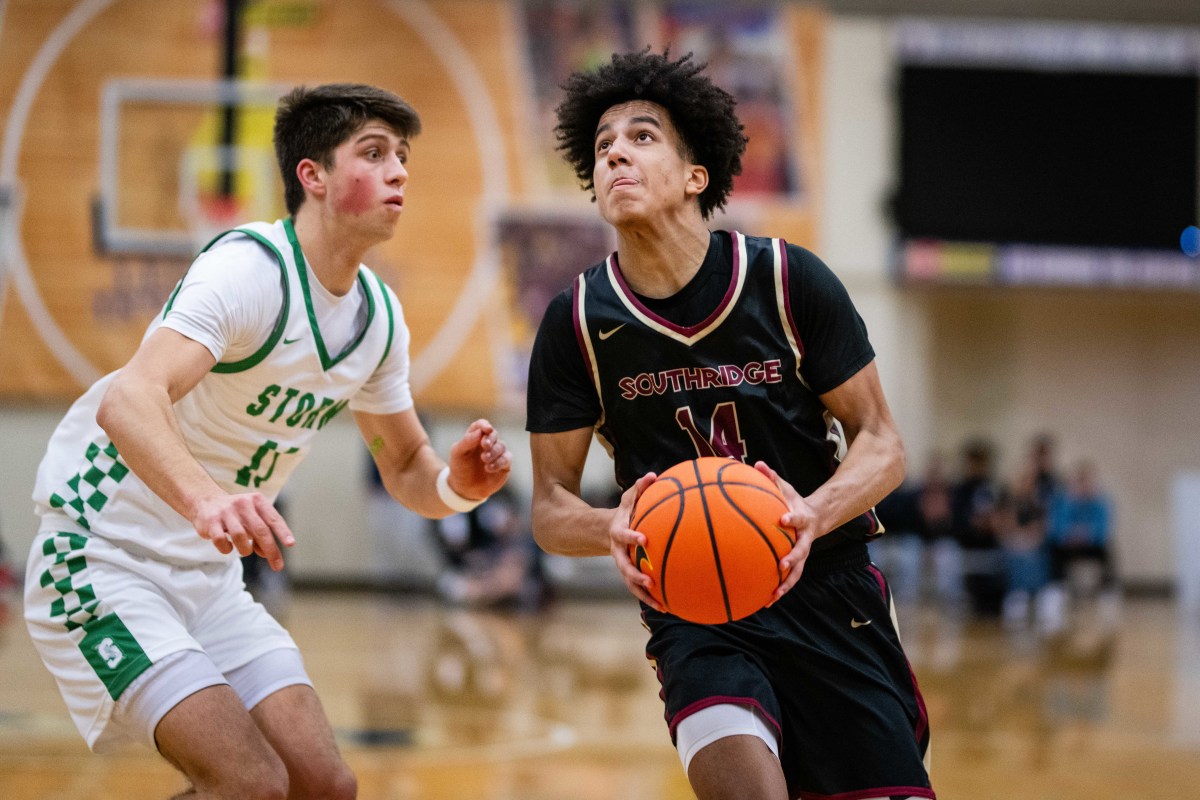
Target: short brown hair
pixel 312 122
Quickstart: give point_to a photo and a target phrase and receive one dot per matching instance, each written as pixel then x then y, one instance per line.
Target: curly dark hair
pixel 700 110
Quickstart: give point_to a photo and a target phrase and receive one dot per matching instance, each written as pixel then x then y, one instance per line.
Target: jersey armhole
pixel 583 339
pixel 391 318
pixel 578 320
pixel 280 323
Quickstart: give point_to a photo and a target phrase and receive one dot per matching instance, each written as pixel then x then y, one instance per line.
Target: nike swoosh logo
pixel 856 624
pixel 292 341
pixel 605 334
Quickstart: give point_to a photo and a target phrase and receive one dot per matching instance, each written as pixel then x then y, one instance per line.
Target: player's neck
pixel 333 256
pixel 658 262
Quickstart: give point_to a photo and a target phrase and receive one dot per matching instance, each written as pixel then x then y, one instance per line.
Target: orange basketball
pixel 713 539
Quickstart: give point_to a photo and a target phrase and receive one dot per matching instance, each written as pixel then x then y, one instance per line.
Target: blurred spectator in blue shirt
pixel 1080 516
pixel 1079 531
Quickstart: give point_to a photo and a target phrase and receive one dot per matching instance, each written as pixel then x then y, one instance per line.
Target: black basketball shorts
pixel 825 667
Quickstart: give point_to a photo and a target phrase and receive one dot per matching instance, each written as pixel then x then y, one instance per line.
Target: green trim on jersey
pixel 281 323
pixel 327 363
pixel 391 315
pixel 107 644
pixel 171 297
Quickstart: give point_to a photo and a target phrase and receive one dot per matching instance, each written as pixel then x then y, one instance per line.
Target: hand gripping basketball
pixel 713 539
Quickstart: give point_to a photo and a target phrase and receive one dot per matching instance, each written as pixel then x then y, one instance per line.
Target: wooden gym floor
pixel 432 703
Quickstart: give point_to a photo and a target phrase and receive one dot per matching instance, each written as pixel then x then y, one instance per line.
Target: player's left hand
pixel 479 462
pixel 801 519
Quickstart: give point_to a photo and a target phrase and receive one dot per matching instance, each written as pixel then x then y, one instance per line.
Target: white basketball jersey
pixel 248 423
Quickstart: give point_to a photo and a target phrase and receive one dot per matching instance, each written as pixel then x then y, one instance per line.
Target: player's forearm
pixel 565 525
pixel 874 466
pixel 413 482
pixel 139 420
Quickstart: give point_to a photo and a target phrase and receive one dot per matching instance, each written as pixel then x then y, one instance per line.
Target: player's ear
pixel 697 180
pixel 311 176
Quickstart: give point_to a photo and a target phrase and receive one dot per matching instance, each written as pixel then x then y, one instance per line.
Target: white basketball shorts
pixel 101 616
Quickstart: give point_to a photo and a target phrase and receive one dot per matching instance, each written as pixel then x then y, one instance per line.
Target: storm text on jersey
pixel 304 413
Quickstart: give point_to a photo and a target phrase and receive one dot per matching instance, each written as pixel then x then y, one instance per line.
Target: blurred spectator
pixel 402 557
pixel 1021 526
pixel 1081 521
pixel 898 551
pixel 491 558
pixel 972 509
pixel 268 587
pixel 1036 485
pixel 1079 531
pixel 1045 475
pixel 937 531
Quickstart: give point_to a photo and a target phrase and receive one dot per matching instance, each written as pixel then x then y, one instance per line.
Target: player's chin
pixel 622 211
pixel 385 223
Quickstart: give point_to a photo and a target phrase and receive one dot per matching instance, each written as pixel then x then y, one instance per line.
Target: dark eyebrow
pixel 646 119
pixel 382 137
pixel 651 120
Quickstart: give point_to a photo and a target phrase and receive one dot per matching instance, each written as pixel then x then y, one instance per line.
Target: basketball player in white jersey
pixel 165 468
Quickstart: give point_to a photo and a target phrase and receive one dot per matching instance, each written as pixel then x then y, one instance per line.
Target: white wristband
pixel 451 498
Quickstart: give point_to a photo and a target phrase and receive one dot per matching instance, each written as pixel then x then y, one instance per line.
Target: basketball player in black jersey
pixel 686 343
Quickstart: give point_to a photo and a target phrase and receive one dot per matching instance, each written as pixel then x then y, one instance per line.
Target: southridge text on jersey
pixel 647 384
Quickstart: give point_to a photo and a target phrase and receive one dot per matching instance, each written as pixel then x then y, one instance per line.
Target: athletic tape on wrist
pixel 451 498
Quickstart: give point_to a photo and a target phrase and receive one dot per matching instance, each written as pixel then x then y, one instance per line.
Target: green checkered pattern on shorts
pixel 89 489
pixel 109 647
pixel 76 603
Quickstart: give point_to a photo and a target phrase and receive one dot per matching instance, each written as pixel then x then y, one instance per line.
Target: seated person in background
pixel 899 553
pixel 491 558
pixel 1046 481
pixel 972 508
pixel 1021 527
pixel 269 587
pixel 1079 529
pixel 943 557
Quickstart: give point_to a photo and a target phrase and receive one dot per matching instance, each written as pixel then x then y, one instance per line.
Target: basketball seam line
pixel 761 533
pixel 712 537
pixel 682 490
pixel 662 580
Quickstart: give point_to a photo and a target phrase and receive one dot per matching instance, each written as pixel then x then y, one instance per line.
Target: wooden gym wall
pixel 473 68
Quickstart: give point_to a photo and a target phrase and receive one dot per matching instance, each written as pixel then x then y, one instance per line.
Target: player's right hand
pixel 247 523
pixel 621 537
pixel 803 522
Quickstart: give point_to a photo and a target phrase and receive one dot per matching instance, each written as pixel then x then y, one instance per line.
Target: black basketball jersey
pixel 729 385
